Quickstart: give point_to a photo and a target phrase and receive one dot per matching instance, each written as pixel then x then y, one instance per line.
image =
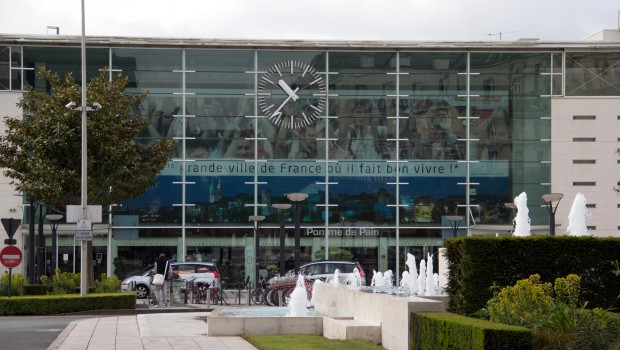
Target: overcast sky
pixel 472 20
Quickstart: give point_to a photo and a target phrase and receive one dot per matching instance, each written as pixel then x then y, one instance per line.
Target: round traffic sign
pixel 10 256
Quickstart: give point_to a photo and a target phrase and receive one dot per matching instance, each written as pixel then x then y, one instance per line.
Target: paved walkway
pixel 150 331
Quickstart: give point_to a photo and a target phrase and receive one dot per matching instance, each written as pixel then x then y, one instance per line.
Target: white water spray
pixel 522 220
pixel 578 216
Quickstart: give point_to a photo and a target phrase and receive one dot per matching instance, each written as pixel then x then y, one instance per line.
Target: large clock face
pixel 291 94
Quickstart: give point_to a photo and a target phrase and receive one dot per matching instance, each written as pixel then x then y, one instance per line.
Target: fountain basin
pixel 261 320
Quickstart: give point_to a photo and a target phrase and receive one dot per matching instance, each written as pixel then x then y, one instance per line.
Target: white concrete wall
pixel 606 172
pixel 388 311
pixel 10 203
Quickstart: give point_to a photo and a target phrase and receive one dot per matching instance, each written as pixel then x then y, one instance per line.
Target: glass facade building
pixel 403 138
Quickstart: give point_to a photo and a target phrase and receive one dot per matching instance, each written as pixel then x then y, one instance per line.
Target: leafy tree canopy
pixel 41 152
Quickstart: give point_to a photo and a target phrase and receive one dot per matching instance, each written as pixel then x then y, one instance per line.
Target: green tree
pixel 41 151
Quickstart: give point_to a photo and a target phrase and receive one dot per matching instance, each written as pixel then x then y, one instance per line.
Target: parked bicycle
pixel 258 294
pixel 219 294
pixel 197 291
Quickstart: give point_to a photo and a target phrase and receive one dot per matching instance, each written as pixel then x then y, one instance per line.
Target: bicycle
pixel 198 291
pixel 218 295
pixel 258 294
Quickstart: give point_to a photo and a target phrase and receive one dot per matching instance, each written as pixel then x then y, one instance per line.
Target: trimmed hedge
pixel 65 303
pixel 477 263
pixel 442 330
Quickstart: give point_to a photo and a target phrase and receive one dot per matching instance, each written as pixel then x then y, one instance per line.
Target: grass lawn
pixel 306 342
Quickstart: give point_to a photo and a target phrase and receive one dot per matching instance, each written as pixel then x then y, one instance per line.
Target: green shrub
pixel 59 304
pixel 524 304
pixel 108 285
pixel 556 323
pixel 35 289
pixel 442 330
pixel 62 282
pixel 567 290
pixel 596 330
pixel 476 263
pixel 17 284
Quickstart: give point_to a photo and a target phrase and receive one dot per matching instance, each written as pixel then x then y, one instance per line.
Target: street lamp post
pixel 511 206
pixel 282 208
pixel 53 219
pixel 257 219
pixel 455 220
pixel 549 199
pixel 297 198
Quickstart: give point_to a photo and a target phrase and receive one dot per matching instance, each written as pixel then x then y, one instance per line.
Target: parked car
pixel 324 270
pixel 203 272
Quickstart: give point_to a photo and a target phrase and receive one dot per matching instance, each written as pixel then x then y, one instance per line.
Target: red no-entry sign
pixel 10 256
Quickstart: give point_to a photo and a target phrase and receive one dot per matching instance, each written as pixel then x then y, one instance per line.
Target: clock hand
pixel 277 112
pixel 288 90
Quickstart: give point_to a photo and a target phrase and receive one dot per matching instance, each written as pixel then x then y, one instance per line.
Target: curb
pixel 62 336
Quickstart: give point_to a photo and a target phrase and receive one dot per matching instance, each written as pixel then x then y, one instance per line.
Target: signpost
pixel 10 225
pixel 84 231
pixel 10 257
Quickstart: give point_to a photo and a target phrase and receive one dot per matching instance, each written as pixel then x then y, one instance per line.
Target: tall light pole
pixel 84 182
pixel 84 188
pixel 53 219
pixel 257 220
pixel 282 208
pixel 455 220
pixel 297 198
pixel 549 199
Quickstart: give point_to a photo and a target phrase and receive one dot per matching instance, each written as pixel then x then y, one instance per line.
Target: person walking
pixel 162 267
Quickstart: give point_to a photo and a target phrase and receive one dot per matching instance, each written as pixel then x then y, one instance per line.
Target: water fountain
pixel 413 274
pixel 377 279
pixel 430 286
pixel 354 279
pixel 578 216
pixel 336 279
pixel 522 220
pixel 422 278
pixel 298 305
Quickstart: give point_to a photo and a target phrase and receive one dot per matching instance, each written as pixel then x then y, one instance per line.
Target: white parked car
pixel 324 270
pixel 203 272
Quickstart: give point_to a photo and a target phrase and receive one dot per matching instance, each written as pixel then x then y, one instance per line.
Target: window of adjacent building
pixel 5 68
pixel 592 73
pixel 584 117
pixel 591 205
pixel 584 183
pixel 591 227
pixel 584 161
pixel 584 139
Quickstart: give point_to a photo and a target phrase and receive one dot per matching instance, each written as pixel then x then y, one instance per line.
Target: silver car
pixel 203 272
pixel 325 270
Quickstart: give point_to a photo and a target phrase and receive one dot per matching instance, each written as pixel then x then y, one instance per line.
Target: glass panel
pixel 5 71
pixel 510 127
pixel 155 206
pixel 16 79
pixel 150 69
pixel 65 60
pixel 16 56
pixel 592 73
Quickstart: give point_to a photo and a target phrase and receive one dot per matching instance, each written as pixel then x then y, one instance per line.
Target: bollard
pixel 239 288
pixel 209 298
pixel 281 297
